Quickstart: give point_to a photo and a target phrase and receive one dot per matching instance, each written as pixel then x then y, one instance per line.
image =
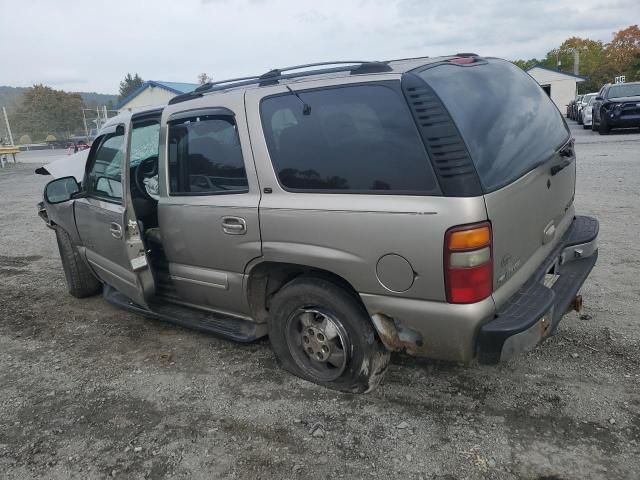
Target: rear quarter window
pixel 354 139
pixel 508 122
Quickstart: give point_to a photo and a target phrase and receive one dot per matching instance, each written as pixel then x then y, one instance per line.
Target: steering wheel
pixel 146 178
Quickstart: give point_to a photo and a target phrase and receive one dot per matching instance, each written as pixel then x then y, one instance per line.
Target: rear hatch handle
pixel 568 152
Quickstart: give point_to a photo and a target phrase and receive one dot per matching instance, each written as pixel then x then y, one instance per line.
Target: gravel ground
pixel 88 391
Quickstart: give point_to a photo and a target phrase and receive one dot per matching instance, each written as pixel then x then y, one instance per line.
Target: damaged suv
pixel 345 210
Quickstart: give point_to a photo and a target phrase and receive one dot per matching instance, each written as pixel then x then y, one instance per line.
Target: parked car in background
pixel 570 109
pixel 616 106
pixel 582 104
pixel 587 112
pixel 574 107
pixel 346 212
pixel 81 145
pixel 57 143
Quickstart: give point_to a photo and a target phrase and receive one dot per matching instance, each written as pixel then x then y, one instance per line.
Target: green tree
pixel 635 66
pixel 599 62
pixel 129 84
pixel 591 54
pixel 623 54
pixel 204 78
pixel 43 110
pixel 527 64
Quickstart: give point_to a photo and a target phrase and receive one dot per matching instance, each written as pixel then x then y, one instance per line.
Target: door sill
pixel 226 326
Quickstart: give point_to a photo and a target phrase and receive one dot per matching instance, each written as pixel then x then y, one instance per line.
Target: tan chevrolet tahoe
pixel 346 210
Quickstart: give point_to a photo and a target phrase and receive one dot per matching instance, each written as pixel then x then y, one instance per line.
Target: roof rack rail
pixel 273 76
pixel 206 86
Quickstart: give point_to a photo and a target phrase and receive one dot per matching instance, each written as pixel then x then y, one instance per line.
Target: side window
pixel 144 141
pixel 354 139
pixel 205 157
pixel 105 177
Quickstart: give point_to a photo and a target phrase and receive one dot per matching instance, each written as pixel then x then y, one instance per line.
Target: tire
pixel 586 127
pixel 81 282
pixel 603 127
pixel 308 307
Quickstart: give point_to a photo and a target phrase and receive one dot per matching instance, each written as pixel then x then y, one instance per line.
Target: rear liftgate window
pixel 353 139
pixel 508 122
pixel 205 157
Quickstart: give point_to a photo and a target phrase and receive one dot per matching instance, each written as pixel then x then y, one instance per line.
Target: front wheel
pixel 322 334
pixel 80 279
pixel 603 126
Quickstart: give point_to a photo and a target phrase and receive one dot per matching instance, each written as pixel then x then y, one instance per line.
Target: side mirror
pixel 61 190
pixel 599 98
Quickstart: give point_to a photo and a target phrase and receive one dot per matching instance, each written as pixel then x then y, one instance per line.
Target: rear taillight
pixel 468 263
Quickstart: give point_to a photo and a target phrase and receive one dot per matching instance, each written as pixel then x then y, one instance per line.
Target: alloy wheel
pixel 318 343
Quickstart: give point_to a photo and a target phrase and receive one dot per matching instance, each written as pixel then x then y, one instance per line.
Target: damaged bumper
pixel 460 333
pixel 425 328
pixel 533 313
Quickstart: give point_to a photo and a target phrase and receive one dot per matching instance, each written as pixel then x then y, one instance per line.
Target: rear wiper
pixel 566 151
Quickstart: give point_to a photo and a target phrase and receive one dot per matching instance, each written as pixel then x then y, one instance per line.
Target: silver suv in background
pixel 346 211
pixel 585 104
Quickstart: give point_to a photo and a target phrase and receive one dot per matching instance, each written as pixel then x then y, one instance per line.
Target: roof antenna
pixel 306 108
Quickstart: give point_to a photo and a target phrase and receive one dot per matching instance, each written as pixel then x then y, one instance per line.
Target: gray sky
pixel 89 45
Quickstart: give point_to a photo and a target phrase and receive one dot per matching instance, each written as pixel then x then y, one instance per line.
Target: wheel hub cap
pixel 318 343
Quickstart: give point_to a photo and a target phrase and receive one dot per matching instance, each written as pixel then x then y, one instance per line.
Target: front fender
pixel 61 214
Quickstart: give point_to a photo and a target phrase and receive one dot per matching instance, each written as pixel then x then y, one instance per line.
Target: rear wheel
pixel 80 280
pixel 321 333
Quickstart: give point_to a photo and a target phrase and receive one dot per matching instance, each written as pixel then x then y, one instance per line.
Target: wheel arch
pixel 265 279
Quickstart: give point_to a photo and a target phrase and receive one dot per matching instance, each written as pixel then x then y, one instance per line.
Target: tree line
pixel 42 113
pixel 600 62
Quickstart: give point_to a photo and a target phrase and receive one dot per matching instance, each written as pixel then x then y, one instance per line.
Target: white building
pixel 153 93
pixel 562 87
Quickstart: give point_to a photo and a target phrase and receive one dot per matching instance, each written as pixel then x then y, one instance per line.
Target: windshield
pixel 587 98
pixel 624 90
pixel 508 122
